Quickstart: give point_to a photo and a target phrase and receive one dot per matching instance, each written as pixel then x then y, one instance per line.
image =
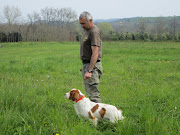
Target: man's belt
pixel 88 61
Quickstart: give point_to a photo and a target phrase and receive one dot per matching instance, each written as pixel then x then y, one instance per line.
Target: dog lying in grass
pixel 94 111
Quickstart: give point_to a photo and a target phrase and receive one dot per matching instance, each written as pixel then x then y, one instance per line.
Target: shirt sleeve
pixel 95 38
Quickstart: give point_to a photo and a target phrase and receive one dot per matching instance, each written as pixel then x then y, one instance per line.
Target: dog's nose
pixel 64 94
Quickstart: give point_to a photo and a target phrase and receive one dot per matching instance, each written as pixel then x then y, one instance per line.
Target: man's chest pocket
pixel 86 41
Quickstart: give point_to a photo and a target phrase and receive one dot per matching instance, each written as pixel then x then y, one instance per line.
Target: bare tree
pixel 159 26
pixel 34 21
pixel 48 25
pixel 48 14
pixel 174 26
pixel 142 25
pixel 12 14
pixel 64 18
pixel 34 18
pixel 60 17
pixel 1 20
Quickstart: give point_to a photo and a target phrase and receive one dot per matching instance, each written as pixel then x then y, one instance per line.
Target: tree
pixel 121 36
pixel 146 36
pixel 62 17
pixel 114 36
pixel 174 26
pixel 151 37
pixel 163 37
pixel 169 36
pixel 12 14
pixel 142 25
pixel 159 26
pixel 128 36
pixel 133 35
pixel 176 37
pixel 106 30
pixel 34 21
pixel 137 36
pixel 34 18
pixel 155 37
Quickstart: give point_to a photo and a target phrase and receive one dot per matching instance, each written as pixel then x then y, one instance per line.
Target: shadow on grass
pixel 107 127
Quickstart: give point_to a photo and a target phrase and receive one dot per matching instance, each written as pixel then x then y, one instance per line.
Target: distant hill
pixel 170 24
pixel 105 20
pixel 136 19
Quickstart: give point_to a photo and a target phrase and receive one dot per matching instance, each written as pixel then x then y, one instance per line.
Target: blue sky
pixel 102 9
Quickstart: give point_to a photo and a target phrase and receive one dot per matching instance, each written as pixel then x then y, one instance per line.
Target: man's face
pixel 84 23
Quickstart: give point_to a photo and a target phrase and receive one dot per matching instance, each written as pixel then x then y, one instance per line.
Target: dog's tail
pixel 119 114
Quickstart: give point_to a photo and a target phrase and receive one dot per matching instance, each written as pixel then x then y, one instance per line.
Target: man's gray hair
pixel 87 15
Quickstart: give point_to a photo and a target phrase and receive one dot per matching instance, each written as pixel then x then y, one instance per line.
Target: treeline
pixel 62 25
pixel 10 37
pixel 48 25
pixel 143 37
pixel 35 32
pixel 146 29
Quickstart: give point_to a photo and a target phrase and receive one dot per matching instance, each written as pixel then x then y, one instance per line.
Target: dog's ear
pixel 74 95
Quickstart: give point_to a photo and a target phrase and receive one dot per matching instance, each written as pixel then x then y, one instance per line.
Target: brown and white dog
pixel 88 109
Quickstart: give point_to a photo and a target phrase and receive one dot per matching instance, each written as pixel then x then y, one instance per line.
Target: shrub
pixel 155 37
pixel 121 36
pixel 128 36
pixel 151 37
pixel 137 36
pixel 133 36
pixel 114 37
pixel 3 37
pixel 176 37
pixel 146 36
pixel 169 36
pixel 163 37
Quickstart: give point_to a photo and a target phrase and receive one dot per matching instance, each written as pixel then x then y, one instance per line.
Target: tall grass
pixel 141 78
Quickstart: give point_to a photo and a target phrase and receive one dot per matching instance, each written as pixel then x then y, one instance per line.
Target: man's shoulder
pixel 94 28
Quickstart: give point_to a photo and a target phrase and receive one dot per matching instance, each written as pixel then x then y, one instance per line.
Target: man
pixel 91 53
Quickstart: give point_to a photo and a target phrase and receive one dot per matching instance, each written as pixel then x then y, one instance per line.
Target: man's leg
pixel 91 85
pixel 93 92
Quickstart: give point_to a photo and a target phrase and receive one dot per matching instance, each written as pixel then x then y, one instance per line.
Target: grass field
pixel 141 78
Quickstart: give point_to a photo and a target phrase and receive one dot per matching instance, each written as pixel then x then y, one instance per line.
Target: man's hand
pixel 87 75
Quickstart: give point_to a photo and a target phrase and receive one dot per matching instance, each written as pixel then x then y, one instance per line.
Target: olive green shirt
pixel 92 37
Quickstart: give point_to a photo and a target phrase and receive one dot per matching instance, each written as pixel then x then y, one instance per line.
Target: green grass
pixel 141 78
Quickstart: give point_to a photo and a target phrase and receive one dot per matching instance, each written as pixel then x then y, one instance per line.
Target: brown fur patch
pixel 102 112
pixel 118 109
pixel 90 115
pixel 95 108
pixel 74 95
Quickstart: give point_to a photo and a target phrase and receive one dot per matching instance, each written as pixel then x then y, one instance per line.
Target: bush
pixel 176 37
pixel 151 37
pixel 3 37
pixel 155 37
pixel 121 36
pixel 128 36
pixel 163 37
pixel 133 36
pixel 169 36
pixel 146 36
pixel 137 36
pixel 10 37
pixel 114 37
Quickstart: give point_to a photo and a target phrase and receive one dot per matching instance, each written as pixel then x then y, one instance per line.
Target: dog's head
pixel 74 95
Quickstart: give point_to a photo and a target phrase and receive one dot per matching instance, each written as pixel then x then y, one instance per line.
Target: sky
pixel 101 9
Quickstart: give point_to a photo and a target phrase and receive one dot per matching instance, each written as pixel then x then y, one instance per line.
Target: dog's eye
pixel 71 93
